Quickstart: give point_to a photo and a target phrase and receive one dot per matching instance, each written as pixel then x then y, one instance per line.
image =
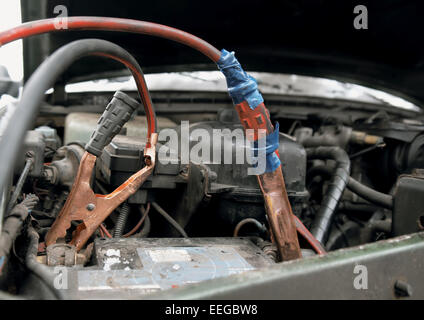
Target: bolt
pixel 30 154
pixel 403 289
pixel 90 207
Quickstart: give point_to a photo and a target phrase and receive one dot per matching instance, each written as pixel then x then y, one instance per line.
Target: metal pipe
pixel 28 164
pixel 171 220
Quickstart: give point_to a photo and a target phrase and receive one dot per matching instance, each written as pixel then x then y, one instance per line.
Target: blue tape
pixel 272 143
pixel 241 86
pixel 2 260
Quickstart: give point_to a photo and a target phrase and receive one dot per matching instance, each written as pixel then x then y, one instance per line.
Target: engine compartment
pixel 129 202
pixel 218 205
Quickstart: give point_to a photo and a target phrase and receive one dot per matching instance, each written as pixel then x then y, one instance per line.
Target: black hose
pixel 28 164
pixel 371 195
pixel 122 221
pixel 43 79
pixel 41 271
pixel 375 197
pixel 169 219
pixel 322 223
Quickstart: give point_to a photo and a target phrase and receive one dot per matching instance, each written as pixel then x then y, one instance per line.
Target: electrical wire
pixel 243 222
pixel 144 213
pixel 171 220
pixel 111 24
pixel 107 233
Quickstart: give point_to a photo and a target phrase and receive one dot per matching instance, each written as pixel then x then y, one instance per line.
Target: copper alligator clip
pixel 82 203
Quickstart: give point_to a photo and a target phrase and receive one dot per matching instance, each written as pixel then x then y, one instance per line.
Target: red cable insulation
pixel 103 228
pixel 111 24
pixel 315 244
pixel 144 212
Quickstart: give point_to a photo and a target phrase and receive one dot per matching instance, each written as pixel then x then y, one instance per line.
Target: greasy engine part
pixel 64 166
pixel 82 203
pixel 254 115
pixel 34 146
pixel 336 135
pixel 239 194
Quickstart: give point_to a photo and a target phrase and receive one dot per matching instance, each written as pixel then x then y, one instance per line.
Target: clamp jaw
pixel 82 203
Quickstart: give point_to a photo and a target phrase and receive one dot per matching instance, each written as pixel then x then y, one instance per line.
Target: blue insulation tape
pixel 241 86
pixel 2 260
pixel 272 143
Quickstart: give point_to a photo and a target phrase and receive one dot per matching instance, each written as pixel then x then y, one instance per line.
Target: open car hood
pixel 314 38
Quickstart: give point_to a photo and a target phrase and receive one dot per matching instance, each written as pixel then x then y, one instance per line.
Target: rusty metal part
pixel 90 208
pixel 64 166
pixel 61 254
pixel 280 215
pixel 273 187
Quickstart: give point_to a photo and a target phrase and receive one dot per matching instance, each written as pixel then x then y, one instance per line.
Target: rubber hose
pixel 322 223
pixel 365 192
pixel 373 196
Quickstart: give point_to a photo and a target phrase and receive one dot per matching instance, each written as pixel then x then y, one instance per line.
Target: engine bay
pixel 128 201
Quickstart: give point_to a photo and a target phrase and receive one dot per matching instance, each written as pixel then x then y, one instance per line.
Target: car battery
pixel 130 268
